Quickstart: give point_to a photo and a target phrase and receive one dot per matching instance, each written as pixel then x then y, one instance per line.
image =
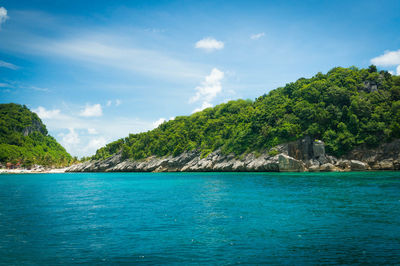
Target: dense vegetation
pixel 345 108
pixel 24 139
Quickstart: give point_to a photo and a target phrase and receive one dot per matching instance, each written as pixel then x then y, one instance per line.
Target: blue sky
pixel 96 71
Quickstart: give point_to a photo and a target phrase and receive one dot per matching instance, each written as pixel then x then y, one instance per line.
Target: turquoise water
pixel 206 218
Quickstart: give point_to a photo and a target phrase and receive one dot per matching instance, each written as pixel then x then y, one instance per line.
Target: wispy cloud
pixel 209 44
pixel 208 90
pixel 82 145
pixel 99 50
pixel 95 47
pixel 257 36
pixel 5 85
pixel 70 139
pixel 110 102
pixel 17 85
pixel 8 65
pixel 39 89
pixel 92 131
pixel 92 111
pixel 3 15
pixel 47 114
pixel 154 30
pixel 95 143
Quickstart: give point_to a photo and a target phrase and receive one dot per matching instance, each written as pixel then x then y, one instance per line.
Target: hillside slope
pixel 345 108
pixel 24 139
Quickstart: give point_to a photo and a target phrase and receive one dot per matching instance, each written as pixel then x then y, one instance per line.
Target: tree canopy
pixel 24 139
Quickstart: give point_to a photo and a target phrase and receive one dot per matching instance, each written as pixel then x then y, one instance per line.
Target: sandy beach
pixel 33 171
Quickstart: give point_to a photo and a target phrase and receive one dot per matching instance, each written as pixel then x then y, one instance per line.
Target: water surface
pixel 207 218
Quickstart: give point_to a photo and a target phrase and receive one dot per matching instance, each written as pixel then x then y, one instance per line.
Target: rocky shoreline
pixel 297 156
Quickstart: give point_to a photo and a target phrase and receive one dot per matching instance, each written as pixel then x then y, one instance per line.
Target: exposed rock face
pixel 35 127
pixel 297 156
pixel 289 164
pixel 384 157
pixel 328 167
pixel 191 162
pixel 357 165
pixel 370 86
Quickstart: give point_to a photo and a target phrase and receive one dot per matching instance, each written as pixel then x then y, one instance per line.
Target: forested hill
pixel 24 139
pixel 345 107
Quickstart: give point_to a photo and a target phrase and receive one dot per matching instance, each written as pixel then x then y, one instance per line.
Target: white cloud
pixel 257 36
pixel 8 65
pixel 391 72
pixel 92 111
pixel 72 142
pixel 203 106
pixel 109 103
pixel 209 88
pixel 109 129
pixel 71 138
pixel 389 58
pixel 117 102
pixel 158 122
pixel 94 144
pixel 92 131
pixel 43 113
pixel 162 120
pixel 3 15
pixel 209 44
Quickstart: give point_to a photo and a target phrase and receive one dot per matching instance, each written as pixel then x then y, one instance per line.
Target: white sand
pixel 33 171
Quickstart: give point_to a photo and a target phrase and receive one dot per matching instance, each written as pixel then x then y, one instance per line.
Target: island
pixel 345 120
pixel 25 143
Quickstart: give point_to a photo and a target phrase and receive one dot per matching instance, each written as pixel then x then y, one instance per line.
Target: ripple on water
pixel 206 218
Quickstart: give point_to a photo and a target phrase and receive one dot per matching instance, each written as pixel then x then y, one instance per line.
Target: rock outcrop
pixel 192 162
pixel 297 156
pixel 384 157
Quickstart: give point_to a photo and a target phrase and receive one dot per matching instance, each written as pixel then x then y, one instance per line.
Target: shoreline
pixel 63 170
pixel 303 155
pixel 34 171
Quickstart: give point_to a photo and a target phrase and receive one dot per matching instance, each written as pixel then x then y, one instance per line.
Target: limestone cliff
pixel 297 156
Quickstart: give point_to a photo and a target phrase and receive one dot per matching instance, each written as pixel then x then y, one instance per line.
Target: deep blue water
pixel 206 218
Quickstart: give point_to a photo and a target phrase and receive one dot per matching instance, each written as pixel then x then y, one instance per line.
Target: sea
pixel 200 218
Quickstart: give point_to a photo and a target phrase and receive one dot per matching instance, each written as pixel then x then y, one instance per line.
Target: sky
pixel 96 71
